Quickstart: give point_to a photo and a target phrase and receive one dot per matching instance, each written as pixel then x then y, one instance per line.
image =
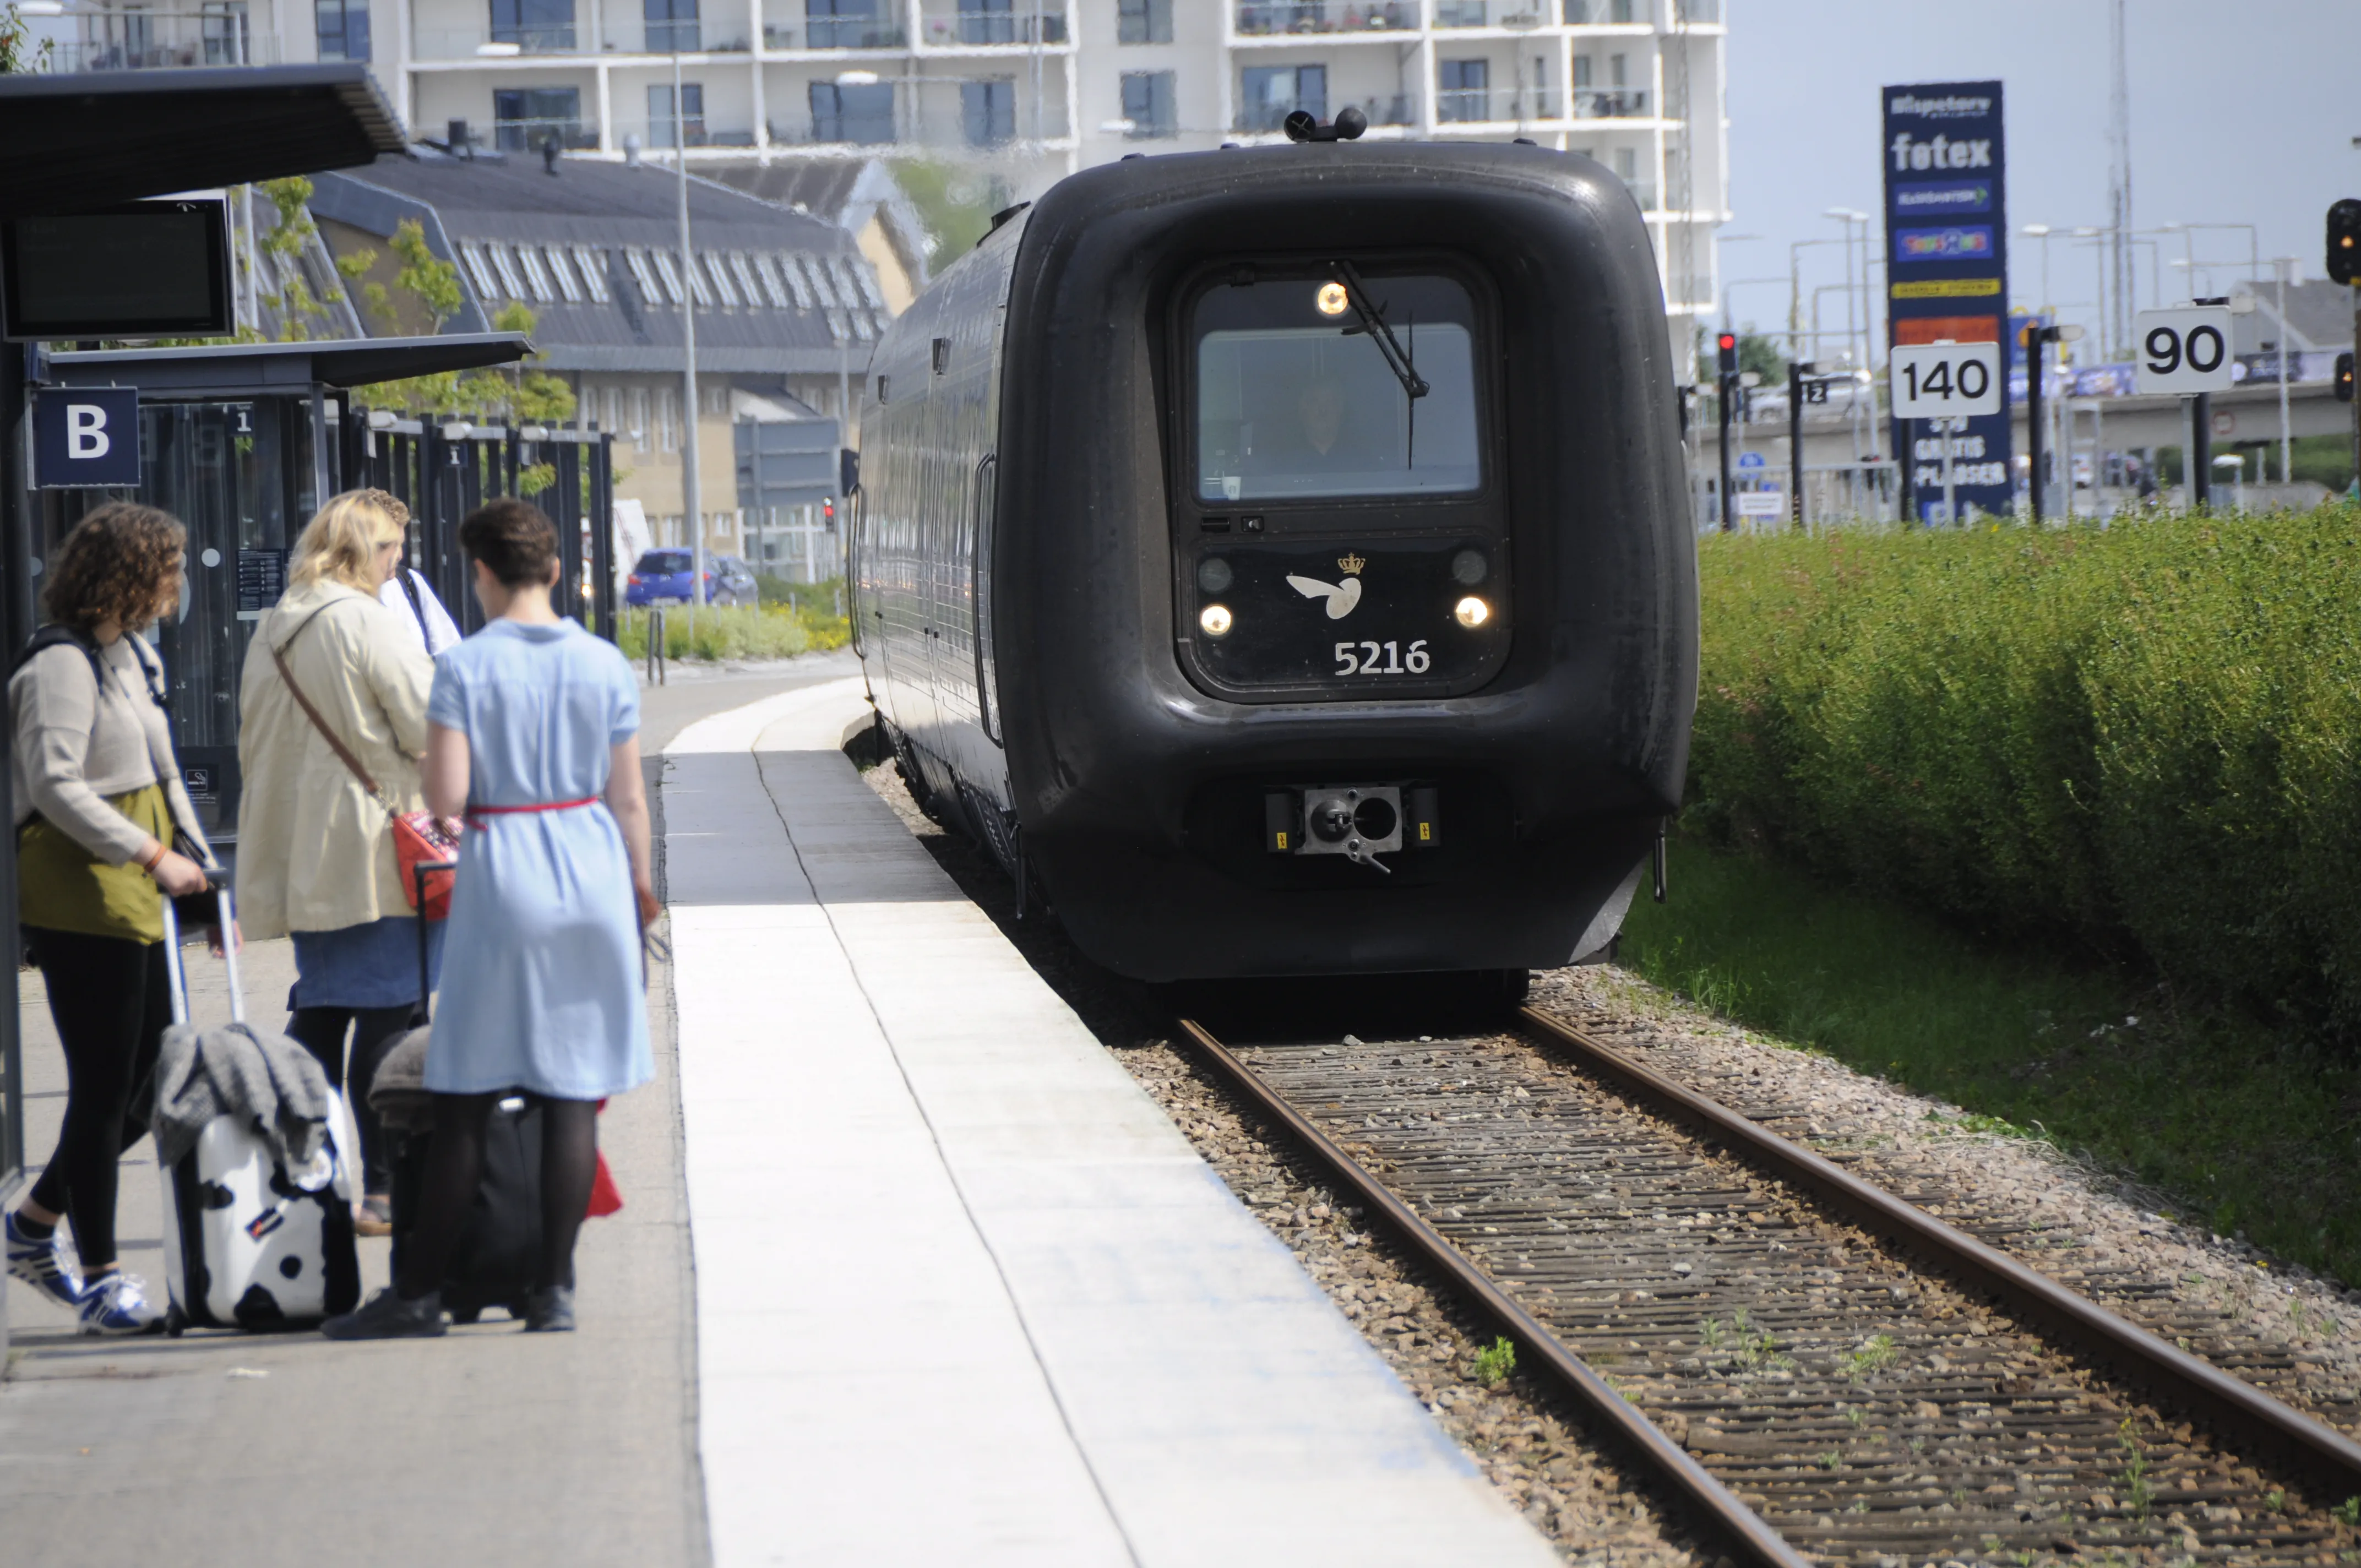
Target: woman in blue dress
pixel 532 736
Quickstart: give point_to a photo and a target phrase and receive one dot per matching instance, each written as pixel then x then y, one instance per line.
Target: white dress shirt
pixel 438 630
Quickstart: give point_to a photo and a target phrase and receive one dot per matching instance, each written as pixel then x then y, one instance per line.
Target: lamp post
pixel 2037 339
pixel 692 494
pixel 1849 217
pixel 1796 290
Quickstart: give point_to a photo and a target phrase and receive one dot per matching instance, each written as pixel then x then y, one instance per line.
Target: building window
pixel 615 410
pixel 640 418
pixel 988 111
pixel 1581 70
pixel 1627 164
pixel 791 269
pixel 661 129
pixel 1147 103
pixel 848 24
pixel 1619 70
pixel 670 25
pixel 718 266
pixel 1275 92
pixel 1619 13
pixel 523 118
pixel 536 277
pixel 344 28
pixel 667 420
pixel 1143 21
pixel 480 271
pixel 637 260
pixel 562 270
pixel 745 276
pixel 986 22
pixel 1464 89
pixel 593 266
pixel 534 25
pixel 861 114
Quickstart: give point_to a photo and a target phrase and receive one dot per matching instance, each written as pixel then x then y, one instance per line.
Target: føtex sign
pixel 1946 226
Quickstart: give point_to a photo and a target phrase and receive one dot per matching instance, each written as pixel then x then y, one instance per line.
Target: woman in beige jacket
pixel 315 856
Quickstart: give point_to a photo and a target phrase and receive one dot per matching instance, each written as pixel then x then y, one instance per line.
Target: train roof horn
pixel 1304 126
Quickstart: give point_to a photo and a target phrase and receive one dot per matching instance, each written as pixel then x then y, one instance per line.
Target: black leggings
pixel 454 1169
pixel 111 998
pixel 374 1029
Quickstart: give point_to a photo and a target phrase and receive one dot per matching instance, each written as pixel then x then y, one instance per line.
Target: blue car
pixel 662 576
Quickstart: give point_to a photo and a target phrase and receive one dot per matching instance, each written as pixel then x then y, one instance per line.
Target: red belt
pixel 474 812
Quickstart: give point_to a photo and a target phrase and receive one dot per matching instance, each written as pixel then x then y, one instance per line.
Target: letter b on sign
pixel 86 438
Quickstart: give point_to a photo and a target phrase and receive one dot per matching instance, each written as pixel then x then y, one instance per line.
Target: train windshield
pixel 1297 399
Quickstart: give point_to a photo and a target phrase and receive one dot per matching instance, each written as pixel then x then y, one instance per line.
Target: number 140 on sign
pixel 1945 381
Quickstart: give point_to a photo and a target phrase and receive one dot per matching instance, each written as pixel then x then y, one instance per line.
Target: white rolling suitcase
pixel 249 1243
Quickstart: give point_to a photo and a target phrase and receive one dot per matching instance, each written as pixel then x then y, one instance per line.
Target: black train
pixel 1280 556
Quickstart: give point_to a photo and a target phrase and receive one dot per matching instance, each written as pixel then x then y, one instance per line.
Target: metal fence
pixel 443 468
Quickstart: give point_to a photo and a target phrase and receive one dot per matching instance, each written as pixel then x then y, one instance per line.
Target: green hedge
pixel 732 632
pixel 2142 737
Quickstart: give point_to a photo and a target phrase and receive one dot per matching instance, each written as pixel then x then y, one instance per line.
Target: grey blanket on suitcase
pixel 237 1070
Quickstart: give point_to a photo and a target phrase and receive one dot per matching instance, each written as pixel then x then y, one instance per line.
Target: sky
pixel 2240 113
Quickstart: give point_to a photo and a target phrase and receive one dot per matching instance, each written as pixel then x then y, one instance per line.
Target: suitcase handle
pixel 419 874
pixel 178 975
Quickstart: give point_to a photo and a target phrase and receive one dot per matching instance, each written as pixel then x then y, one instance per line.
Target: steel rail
pixel 1743 1531
pixel 2236 1407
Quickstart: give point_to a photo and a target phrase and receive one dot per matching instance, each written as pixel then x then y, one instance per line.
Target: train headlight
pixel 1215 620
pixel 1332 300
pixel 1471 612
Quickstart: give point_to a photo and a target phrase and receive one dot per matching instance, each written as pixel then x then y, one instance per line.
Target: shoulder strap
pixel 344 753
pixel 409 581
pixel 57 634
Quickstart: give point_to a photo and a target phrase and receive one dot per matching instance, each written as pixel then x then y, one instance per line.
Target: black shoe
pixel 386 1316
pixel 550 1311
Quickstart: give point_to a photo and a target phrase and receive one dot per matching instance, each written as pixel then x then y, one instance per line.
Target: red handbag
pixel 418 838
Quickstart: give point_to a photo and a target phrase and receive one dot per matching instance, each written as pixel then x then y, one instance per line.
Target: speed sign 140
pixel 2184 351
pixel 1945 381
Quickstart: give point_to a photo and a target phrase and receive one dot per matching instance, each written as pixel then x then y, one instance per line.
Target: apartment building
pixel 1030 89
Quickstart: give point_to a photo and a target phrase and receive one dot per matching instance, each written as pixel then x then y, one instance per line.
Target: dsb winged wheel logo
pixel 1340 597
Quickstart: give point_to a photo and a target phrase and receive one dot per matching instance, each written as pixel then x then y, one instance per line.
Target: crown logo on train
pixel 1352 564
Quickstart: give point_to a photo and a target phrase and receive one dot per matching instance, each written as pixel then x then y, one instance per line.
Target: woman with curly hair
pixel 315 855
pixel 98 800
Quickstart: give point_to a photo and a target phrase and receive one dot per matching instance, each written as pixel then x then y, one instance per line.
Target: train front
pixel 1346 600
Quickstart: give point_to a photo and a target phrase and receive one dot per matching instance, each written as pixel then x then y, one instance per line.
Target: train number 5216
pixel 1382 659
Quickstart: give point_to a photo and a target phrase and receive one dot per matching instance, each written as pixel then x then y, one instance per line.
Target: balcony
pixel 1498 105
pixel 531 40
pixel 1021 24
pixel 1610 103
pixel 846 32
pixel 1271 19
pixel 530 136
pixel 162 40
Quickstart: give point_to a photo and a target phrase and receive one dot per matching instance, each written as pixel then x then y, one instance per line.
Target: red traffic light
pixel 1728 345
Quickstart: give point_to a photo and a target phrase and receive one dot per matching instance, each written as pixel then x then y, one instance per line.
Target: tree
pixel 19 53
pixel 1760 353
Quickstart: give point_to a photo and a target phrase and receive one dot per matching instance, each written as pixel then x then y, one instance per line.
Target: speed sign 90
pixel 2184 351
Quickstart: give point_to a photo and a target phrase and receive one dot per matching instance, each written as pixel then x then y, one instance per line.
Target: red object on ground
pixel 605 1196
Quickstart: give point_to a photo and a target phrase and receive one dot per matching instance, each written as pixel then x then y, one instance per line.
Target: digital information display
pixel 1947 225
pixel 143 269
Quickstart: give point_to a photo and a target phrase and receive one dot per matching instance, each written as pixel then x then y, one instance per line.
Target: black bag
pixel 499 1251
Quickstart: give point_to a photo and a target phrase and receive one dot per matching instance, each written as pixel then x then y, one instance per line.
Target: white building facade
pixel 1033 89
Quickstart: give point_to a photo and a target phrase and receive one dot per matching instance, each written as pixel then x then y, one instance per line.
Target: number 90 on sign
pixel 1945 381
pixel 2184 351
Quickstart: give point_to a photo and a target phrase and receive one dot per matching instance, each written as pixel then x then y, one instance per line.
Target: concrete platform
pixel 963 1293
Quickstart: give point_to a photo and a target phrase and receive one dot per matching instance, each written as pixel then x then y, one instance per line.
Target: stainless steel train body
pixel 1279 557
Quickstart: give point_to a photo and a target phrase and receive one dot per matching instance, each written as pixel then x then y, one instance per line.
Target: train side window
pixel 987 473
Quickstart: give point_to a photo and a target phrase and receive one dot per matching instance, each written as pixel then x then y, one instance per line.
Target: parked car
pixel 662 576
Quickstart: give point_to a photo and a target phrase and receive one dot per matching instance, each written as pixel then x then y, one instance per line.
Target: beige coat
pixel 314 852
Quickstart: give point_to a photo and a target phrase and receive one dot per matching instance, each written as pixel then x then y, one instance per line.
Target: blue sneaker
pixel 118 1304
pixel 43 1264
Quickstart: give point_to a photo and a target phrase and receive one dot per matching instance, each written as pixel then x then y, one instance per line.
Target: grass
pixel 734 632
pixel 2250 1130
pixel 1494 1364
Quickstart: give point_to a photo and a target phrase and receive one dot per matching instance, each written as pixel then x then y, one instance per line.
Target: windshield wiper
pixel 1375 325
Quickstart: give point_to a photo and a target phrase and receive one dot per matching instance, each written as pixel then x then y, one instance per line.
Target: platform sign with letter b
pixel 84 438
pixel 1945 381
pixel 2184 351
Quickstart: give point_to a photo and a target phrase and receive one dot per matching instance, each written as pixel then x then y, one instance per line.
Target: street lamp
pixel 2036 338
pixel 1850 216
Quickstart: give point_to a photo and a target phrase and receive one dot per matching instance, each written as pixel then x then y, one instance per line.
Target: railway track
pixel 1822 1369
